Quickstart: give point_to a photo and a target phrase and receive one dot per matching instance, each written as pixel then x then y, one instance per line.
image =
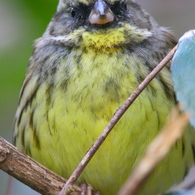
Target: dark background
pixel 23 21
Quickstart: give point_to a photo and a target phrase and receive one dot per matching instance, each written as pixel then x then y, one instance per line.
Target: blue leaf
pixel 183 73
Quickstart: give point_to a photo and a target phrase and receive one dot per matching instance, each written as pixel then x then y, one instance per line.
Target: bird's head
pixel 100 23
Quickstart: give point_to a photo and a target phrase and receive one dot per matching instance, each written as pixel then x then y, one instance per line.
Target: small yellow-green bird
pixel 92 56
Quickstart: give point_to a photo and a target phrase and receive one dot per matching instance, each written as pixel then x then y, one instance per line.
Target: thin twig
pixel 156 151
pixel 29 172
pixel 118 114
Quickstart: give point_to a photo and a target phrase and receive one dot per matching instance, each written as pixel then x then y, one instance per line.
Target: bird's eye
pixel 73 12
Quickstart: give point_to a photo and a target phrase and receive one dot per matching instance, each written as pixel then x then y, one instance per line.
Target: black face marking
pixel 80 12
pixel 77 16
pixel 119 8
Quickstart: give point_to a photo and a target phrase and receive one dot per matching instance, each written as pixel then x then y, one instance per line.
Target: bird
pixel 92 56
pixel 183 71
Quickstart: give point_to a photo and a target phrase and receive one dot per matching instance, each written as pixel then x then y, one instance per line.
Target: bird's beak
pixel 101 13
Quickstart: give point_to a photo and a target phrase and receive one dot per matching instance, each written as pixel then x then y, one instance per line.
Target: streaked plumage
pixel 79 74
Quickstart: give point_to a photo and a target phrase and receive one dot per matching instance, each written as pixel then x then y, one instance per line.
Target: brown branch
pixel 29 172
pixel 156 151
pixel 118 114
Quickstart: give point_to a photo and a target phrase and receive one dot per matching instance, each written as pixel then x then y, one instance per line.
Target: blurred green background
pixel 23 21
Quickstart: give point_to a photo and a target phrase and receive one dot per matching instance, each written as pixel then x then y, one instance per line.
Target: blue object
pixel 181 193
pixel 183 73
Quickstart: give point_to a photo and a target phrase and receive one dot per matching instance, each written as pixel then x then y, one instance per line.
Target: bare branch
pixel 29 172
pixel 118 114
pixel 156 151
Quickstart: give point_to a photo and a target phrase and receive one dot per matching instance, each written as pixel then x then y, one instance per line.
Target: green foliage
pixel 21 23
